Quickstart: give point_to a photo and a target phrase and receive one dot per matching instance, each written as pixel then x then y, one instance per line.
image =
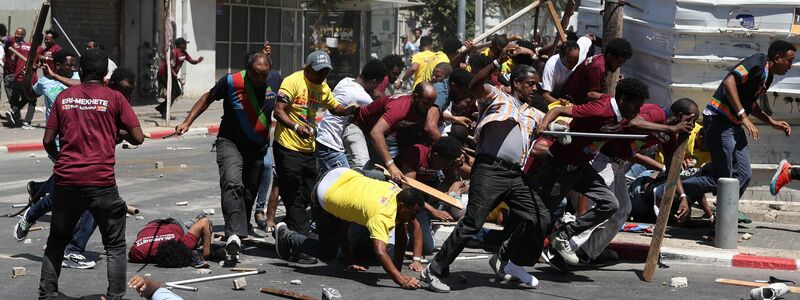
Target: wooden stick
pixel 243 269
pixel 286 294
pixel 133 210
pixel 664 209
pixel 37 228
pixel 556 21
pixel 447 199
pixel 15 52
pixel 36 41
pixel 792 289
pixel 598 135
pixel 505 22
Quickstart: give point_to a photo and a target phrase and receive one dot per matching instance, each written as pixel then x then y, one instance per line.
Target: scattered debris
pixel 243 269
pixel 37 228
pixel 679 282
pixel 239 283
pixel 747 236
pixel 32 155
pixel 139 217
pixel 18 271
pixel 129 146
pixel 775 207
pixel 203 271
pixel 185 148
pixel 330 293
pixel 159 165
pixel 27 241
pixel 38 161
pixel 147 275
pixel 133 210
pixel 171 148
pixel 296 282
pixel 183 166
pixel 182 203
pixel 160 175
pixel 286 294
pixel 18 205
pixel 208 211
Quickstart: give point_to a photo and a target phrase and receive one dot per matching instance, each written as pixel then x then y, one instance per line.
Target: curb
pixel 25 147
pixel 722 258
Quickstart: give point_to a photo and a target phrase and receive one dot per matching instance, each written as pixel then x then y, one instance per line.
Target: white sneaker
pixel 565 250
pixel 770 292
pixel 233 245
pixel 22 227
pixel 76 261
pixel 434 283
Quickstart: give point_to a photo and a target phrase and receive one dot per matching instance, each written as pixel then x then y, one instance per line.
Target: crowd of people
pixel 475 124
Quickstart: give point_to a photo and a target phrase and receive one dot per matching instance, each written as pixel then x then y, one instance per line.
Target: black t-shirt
pixel 229 127
pixel 752 80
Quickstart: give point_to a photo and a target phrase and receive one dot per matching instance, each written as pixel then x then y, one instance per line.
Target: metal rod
pixel 209 278
pixel 18 205
pixel 66 36
pixel 727 213
pixel 598 135
pixel 181 287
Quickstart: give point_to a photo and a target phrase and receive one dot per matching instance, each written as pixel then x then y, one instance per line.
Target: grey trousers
pixel 240 167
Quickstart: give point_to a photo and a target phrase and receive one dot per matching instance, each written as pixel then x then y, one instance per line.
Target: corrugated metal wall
pixel 85 20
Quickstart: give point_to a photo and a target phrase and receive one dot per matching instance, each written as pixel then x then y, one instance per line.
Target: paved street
pixel 143 186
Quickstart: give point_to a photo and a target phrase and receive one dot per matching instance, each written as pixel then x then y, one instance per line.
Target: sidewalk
pixel 18 140
pixel 772 246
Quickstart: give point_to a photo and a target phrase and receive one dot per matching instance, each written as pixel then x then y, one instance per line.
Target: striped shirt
pixel 500 106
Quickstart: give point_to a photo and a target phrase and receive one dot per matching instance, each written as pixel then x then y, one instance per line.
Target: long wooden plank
pixel 792 289
pixel 664 209
pixel 286 294
pixel 556 21
pixel 447 199
pixel 36 41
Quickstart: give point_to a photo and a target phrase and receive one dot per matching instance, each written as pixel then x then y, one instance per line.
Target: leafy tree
pixel 441 17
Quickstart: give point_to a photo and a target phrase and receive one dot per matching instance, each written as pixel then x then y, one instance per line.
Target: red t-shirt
pixel 588 77
pixel 383 85
pixel 624 149
pixel 14 65
pixel 395 110
pixel 179 56
pixel 597 116
pixel 140 249
pixel 86 118
pixel 416 158
pixel 51 52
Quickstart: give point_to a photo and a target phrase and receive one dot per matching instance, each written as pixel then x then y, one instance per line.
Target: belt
pixel 492 160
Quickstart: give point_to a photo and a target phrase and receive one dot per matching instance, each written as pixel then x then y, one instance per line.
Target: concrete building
pixel 223 31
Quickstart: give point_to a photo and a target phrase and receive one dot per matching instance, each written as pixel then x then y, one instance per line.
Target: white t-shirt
pixel 331 128
pixel 555 73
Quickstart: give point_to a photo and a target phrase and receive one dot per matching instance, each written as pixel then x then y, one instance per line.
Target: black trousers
pixel 491 183
pixel 177 91
pixel 240 165
pixel 555 179
pixel 108 210
pixel 297 174
pixel 326 246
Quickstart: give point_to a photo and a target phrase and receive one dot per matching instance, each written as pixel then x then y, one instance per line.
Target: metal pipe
pixel 505 22
pixel 597 135
pixel 66 36
pixel 479 16
pixel 209 278
pixel 181 287
pixel 462 19
pixel 727 213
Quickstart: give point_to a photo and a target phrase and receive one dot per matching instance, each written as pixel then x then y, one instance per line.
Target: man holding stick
pixel 503 136
pixel 17 52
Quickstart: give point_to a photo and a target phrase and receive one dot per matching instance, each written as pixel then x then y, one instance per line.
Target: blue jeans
pixel 82 232
pixel 424 220
pixel 265 186
pixel 328 159
pixel 730 157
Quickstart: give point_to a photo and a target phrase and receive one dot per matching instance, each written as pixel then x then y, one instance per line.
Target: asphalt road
pixel 155 192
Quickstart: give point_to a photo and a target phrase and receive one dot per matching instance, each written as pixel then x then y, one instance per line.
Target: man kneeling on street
pixel 344 195
pixel 172 244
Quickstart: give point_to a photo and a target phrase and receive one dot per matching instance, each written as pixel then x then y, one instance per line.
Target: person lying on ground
pixel 172 244
pixel 345 196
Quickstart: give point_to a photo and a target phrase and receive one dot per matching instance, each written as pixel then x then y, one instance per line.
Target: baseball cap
pixel 319 60
pixel 180 41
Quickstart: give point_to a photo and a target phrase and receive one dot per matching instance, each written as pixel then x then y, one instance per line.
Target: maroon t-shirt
pixel 87 118
pixel 597 116
pixel 51 52
pixel 15 65
pixel 624 149
pixel 142 250
pixel 179 56
pixel 416 158
pixel 383 85
pixel 588 77
pixel 395 110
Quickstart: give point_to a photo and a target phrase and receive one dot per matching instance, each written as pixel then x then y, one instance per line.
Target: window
pixel 243 26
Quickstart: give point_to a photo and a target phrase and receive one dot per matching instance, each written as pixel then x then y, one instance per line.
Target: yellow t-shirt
pixel 368 202
pixel 425 59
pixel 692 150
pixel 306 98
pixel 492 217
pixel 506 67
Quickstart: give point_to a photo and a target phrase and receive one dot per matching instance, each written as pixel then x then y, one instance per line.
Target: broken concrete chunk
pixel 18 271
pixel 679 282
pixel 296 282
pixel 203 271
pixel 747 236
pixel 182 203
pixel 183 166
pixel 159 165
pixel 208 211
pixel 27 241
pixel 139 218
pixel 239 283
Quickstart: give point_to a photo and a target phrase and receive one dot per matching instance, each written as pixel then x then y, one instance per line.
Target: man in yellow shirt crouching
pixel 345 196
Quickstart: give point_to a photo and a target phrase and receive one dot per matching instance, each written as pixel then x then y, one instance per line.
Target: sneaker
pixel 26 126
pixel 22 227
pixel 233 245
pixel 303 259
pixel 526 279
pixel 498 267
pixel 330 293
pixel 261 220
pixel 76 261
pixel 552 259
pixel 564 249
pixel 602 260
pixel 781 178
pixel 283 250
pixel 434 283
pixel 10 118
pixel 770 292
